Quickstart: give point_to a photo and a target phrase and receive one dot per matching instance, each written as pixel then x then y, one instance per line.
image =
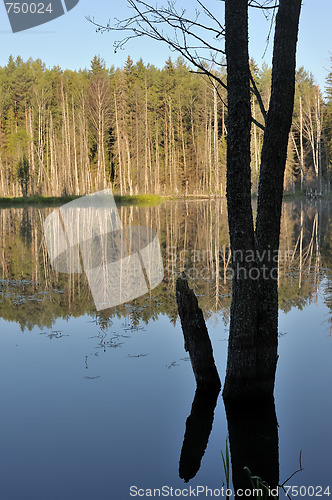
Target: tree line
pixel 140 129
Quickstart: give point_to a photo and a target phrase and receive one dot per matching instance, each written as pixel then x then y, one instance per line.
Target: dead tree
pixel 196 338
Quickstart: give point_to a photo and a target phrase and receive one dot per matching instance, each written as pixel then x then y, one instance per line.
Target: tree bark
pixel 196 338
pixel 241 361
pixel 270 191
pixel 253 339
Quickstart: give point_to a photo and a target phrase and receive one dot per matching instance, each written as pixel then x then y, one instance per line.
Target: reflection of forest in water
pixel 153 411
pixel 193 236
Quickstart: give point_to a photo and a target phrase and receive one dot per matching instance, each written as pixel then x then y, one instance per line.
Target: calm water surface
pixel 93 403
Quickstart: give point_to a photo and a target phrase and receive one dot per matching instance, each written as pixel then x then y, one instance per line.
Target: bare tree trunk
pixel 215 140
pixel 118 144
pixel 146 178
pixel 318 140
pixel 301 143
pixel 273 161
pixel 196 338
pixel 77 189
pixel 252 348
pixel 241 362
pixel 255 149
pixel 166 147
pixel 157 178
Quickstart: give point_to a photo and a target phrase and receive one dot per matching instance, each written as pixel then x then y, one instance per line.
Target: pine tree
pixel 23 174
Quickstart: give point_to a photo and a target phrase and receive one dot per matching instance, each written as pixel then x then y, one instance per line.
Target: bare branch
pixel 262 6
pixel 256 92
pixel 189 34
pixel 259 125
pixel 258 5
pixel 211 16
pixel 271 26
pixel 292 475
pixel 188 37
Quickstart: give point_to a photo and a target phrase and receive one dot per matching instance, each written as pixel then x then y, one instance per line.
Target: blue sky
pixel 71 42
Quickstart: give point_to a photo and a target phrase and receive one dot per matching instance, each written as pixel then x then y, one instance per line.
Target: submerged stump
pixel 196 338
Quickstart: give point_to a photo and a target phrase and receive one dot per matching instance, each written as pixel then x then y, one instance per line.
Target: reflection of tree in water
pixel 252 423
pixel 193 237
pixel 326 256
pixel 253 439
pixel 301 272
pixel 198 429
pixel 253 445
pixel 25 227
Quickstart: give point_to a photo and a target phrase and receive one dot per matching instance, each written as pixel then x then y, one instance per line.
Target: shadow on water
pixel 253 441
pixel 198 430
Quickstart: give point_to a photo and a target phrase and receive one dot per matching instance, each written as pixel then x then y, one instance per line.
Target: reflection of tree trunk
pixel 216 258
pixel 318 139
pixel 301 144
pixel 301 249
pixel 196 337
pixel 25 226
pixel 253 440
pixel 198 429
pixel 317 262
pixel 300 160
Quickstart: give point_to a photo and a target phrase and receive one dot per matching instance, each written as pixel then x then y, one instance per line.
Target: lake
pixel 95 403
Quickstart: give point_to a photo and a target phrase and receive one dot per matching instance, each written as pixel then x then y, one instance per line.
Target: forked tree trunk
pixel 252 349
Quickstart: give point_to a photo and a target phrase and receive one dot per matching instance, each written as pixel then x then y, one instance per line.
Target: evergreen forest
pixel 140 129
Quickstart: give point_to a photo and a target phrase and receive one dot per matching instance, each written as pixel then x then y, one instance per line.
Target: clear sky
pixel 71 42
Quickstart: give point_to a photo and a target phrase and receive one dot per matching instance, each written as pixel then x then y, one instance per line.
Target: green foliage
pixel 23 174
pixel 36 200
pixel 261 487
pixel 226 464
pixel 139 129
pixel 144 200
pixel 328 87
pixel 327 127
pixel 97 65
